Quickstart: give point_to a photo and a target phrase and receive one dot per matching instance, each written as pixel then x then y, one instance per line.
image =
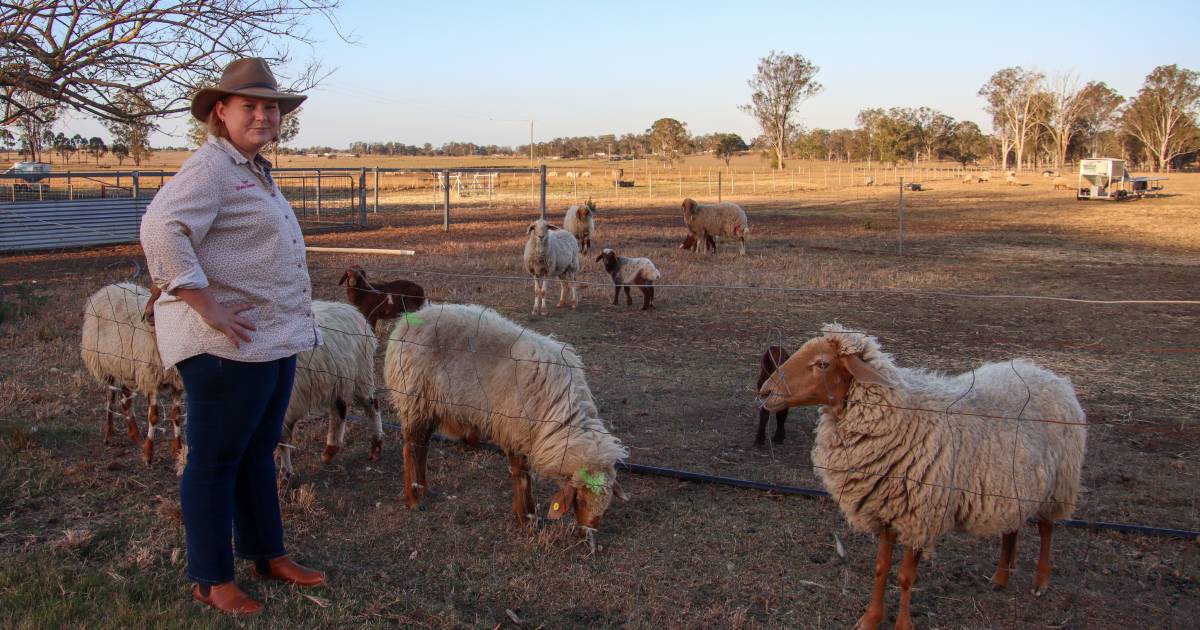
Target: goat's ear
pixel 562 502
pixel 864 373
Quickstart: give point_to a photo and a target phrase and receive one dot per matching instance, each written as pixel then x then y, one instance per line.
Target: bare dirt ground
pixel 89 537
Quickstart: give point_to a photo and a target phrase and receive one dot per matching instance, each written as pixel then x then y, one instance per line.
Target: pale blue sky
pixel 478 71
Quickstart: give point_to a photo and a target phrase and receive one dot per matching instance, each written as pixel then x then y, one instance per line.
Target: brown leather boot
pixel 228 598
pixel 285 570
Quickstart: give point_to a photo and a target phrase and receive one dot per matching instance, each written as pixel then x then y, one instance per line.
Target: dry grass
pixel 677 385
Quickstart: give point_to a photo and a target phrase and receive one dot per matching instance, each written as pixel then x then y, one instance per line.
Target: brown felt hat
pixel 248 77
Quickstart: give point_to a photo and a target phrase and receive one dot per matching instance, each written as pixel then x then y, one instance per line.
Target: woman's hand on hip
pixel 225 318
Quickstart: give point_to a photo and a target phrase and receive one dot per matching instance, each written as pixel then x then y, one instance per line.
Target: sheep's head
pixel 355 275
pixel 819 373
pixel 588 492
pixel 609 257
pixel 588 209
pixel 541 229
pixel 689 207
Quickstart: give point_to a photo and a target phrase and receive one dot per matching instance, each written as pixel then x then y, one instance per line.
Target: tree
pixel 778 86
pixel 7 139
pixel 1162 115
pixel 133 130
pixel 726 145
pixel 1097 114
pixel 929 130
pixel 34 124
pixel 967 143
pixel 83 54
pixel 1011 99
pixel 669 137
pixel 121 152
pixel 96 148
pixel 64 147
pixel 289 128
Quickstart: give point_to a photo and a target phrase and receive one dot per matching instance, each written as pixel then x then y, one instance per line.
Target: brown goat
pixel 691 243
pixel 386 300
pixel 771 360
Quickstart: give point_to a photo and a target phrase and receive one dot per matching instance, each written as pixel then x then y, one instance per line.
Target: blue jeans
pixel 234 416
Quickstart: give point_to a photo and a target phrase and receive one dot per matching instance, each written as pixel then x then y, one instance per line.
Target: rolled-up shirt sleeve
pixel 176 221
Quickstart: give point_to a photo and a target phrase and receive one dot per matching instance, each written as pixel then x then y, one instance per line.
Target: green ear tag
pixel 594 482
pixel 413 320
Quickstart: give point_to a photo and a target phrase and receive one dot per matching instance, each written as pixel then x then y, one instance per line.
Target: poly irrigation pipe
pixel 685 475
pixel 361 250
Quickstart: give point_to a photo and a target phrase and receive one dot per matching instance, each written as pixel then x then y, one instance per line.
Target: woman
pixel 224 246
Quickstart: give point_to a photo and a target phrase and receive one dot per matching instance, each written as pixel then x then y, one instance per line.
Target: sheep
pixel 639 272
pixel 1011 180
pixel 910 454
pixel 331 376
pixel 586 174
pixel 985 176
pixel 580 221
pixel 969 179
pixel 119 348
pixel 726 220
pixel 462 368
pixel 770 362
pixel 691 243
pixel 1061 183
pixel 551 252
pixel 869 181
pixel 386 300
pixel 1049 173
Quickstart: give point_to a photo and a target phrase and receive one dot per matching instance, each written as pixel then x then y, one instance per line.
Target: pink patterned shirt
pixel 222 223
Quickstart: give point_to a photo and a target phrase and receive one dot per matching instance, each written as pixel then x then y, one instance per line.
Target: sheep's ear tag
pixel 562 501
pixel 595 482
pixel 413 320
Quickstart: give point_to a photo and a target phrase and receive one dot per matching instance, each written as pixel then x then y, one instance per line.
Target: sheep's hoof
pixel 176 447
pixel 376 449
pixel 999 582
pixel 330 451
pixel 148 451
pixel 1039 589
pixel 869 622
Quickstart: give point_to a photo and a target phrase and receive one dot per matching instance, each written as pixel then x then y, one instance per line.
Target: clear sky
pixel 479 71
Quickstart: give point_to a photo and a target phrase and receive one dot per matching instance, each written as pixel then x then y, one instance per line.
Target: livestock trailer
pixel 1107 178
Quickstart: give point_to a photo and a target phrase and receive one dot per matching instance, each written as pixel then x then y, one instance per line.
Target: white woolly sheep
pixel 463 369
pixel 580 221
pixel 725 219
pixel 626 272
pixel 968 179
pixel 331 376
pixel 1061 183
pixel 120 350
pixel 551 252
pixel 985 176
pixel 910 454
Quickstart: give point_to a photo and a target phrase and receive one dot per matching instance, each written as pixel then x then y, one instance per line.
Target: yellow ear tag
pixel 555 506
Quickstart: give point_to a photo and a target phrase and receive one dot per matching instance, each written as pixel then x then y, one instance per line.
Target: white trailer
pixel 1107 178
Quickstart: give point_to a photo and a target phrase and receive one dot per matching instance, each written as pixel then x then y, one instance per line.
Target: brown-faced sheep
pixel 910 454
pixel 382 300
pixel 580 221
pixel 724 220
pixel 626 272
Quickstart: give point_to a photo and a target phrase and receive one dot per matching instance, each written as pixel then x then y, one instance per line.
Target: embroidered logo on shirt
pixel 244 185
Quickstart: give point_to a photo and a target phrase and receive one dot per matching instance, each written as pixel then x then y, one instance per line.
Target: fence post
pixel 376 190
pixel 445 201
pixel 542 207
pixel 718 186
pixel 362 197
pixel 650 179
pixel 70 190
pixel 901 216
pixel 136 184
pixel 318 194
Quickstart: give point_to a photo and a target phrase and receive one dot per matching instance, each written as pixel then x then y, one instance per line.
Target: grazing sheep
pixel 586 174
pixel 910 454
pixel 691 243
pixel 639 272
pixel 385 300
pixel 969 179
pixel 551 252
pixel 985 176
pixel 1061 183
pixel 460 369
pixel 552 174
pixel 771 360
pixel 580 221
pixel 869 181
pixel 726 220
pixel 1049 173
pixel 118 348
pixel 331 376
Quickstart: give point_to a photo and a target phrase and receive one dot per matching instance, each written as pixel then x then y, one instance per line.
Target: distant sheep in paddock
pixel 586 174
pixel 552 174
pixel 910 454
pixel 691 243
pixel 332 376
pixel 119 349
pixel 1011 180
pixel 639 272
pixel 1061 183
pixel 969 179
pixel 770 362
pixel 464 369
pixel 869 181
pixel 580 221
pixel 725 220
pixel 1049 173
pixel 384 300
pixel 985 176
pixel 551 252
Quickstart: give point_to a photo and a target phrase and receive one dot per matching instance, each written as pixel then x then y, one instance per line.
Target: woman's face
pixel 252 123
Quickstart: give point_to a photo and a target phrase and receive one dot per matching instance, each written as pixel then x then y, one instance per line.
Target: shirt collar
pixel 237 156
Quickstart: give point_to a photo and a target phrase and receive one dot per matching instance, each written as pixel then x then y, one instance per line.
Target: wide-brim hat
pixel 246 77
